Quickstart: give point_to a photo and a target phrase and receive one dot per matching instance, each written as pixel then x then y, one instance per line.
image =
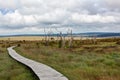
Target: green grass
pixel 87 64
pixel 13 70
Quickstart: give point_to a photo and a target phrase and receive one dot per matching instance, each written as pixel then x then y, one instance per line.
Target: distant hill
pixel 90 34
pixel 98 34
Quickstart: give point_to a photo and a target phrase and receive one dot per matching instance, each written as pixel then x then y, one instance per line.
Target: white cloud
pixel 114 4
pixel 85 18
pixel 10 4
pixel 23 14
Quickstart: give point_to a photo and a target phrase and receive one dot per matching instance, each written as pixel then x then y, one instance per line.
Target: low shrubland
pixel 11 69
pixel 84 60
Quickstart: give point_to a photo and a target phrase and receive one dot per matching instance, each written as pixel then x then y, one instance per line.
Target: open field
pixel 20 38
pixel 35 38
pixel 12 70
pixel 84 60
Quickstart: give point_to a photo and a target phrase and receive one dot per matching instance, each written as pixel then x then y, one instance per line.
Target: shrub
pixel 60 44
pixel 18 45
pixel 118 42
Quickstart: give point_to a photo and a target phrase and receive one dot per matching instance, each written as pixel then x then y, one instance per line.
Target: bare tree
pixel 71 37
pixel 94 39
pixel 61 39
pixel 46 41
pixel 50 33
pixel 58 36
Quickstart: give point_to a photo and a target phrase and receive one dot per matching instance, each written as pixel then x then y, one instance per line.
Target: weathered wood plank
pixel 43 71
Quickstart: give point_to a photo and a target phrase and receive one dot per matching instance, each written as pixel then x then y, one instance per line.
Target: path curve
pixel 43 71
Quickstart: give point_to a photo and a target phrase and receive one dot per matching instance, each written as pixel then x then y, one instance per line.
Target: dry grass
pixel 12 70
pixel 85 62
pixel 21 38
pixel 37 38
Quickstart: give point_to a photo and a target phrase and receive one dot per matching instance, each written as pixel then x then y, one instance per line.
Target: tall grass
pixel 87 62
pixel 12 70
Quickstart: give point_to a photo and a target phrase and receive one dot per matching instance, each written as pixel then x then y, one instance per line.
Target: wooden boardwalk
pixel 43 72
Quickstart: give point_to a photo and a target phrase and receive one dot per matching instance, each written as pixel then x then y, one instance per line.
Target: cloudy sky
pixel 33 16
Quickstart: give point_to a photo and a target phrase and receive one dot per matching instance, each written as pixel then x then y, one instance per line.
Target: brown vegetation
pixel 85 59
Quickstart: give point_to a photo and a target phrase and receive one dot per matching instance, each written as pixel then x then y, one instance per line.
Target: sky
pixel 53 16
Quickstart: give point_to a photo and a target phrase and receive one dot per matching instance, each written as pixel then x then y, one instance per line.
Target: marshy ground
pixel 12 70
pixel 84 60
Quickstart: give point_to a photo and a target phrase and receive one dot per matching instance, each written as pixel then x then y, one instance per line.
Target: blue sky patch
pixel 5 11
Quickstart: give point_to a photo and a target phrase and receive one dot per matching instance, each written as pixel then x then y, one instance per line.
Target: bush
pixel 118 42
pixel 60 44
pixel 18 45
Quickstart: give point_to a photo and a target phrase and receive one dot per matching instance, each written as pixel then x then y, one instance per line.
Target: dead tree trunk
pixel 46 40
pixel 61 40
pixel 71 39
pixel 94 40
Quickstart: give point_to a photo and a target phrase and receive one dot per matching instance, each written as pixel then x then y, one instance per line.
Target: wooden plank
pixel 43 71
